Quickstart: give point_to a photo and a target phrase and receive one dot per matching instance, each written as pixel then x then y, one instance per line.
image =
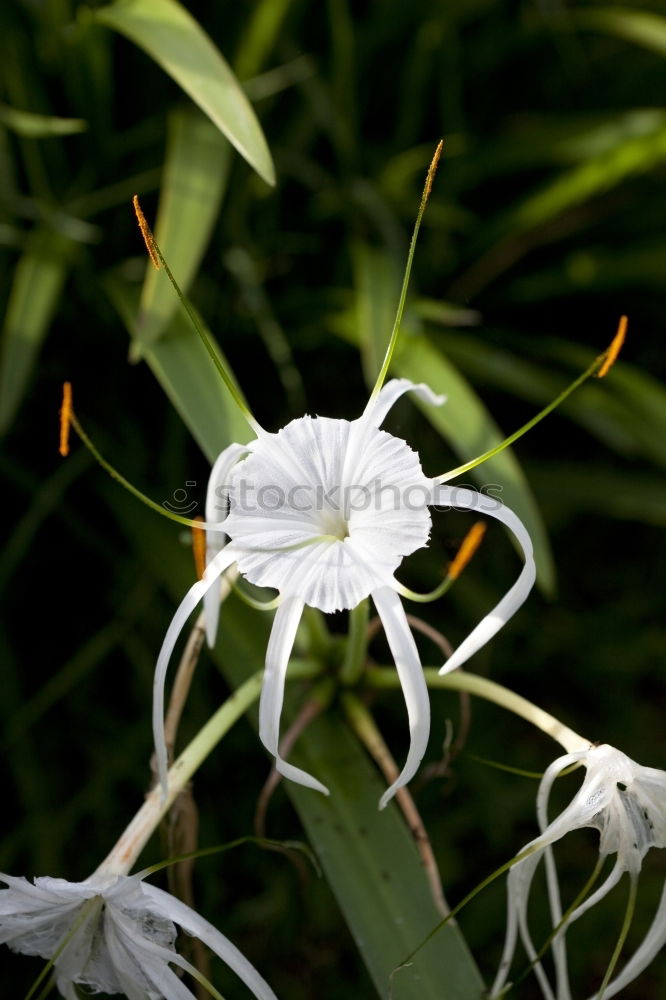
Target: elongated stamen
pixel 562 922
pixel 599 366
pixel 432 169
pixel 81 918
pixel 157 257
pixel 65 418
pixel 614 349
pixel 624 930
pixel 97 455
pixel 463 557
pixel 254 602
pixel 199 547
pixel 488 880
pixel 466 552
pixel 146 232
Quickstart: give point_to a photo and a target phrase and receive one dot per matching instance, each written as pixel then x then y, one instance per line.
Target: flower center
pixel 334 524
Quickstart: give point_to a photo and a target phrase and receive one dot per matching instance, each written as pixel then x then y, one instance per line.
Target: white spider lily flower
pixel 112 934
pixel 626 803
pixel 324 511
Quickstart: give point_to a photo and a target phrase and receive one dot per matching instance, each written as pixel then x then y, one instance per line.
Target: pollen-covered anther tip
pixel 65 418
pixel 611 354
pixel 432 170
pixel 465 553
pixel 199 548
pixel 146 232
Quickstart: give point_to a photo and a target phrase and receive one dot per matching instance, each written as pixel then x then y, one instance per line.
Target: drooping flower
pixel 112 934
pixel 324 511
pixel 626 803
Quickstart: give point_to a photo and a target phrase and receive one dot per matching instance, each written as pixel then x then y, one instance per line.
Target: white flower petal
pixel 512 600
pixel 412 680
pixel 195 924
pixel 311 516
pixel 373 416
pixel 125 963
pixel 216 510
pixel 280 644
pixel 609 883
pixel 218 565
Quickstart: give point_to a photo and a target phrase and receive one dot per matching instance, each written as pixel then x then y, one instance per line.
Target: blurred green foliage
pixel 545 224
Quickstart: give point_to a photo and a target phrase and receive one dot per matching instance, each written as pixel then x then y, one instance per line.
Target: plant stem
pixel 460 680
pixel 123 855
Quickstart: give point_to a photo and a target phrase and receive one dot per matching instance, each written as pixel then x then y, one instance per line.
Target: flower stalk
pixel 459 680
pixel 124 854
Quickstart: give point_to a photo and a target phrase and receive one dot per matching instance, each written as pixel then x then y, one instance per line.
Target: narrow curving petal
pixel 373 416
pixel 451 496
pixel 216 510
pixel 609 883
pixel 193 923
pixel 377 408
pixel 412 680
pixel 218 565
pixel 280 644
pixel 652 943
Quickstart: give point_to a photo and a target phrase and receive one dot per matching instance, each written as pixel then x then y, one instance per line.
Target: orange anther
pixel 432 170
pixel 470 544
pixel 65 418
pixel 199 548
pixel 611 354
pixel 146 232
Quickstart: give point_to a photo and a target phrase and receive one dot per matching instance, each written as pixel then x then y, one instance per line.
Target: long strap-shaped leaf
pixel 171 36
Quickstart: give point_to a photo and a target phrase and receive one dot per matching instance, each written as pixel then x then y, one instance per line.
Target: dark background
pixel 524 96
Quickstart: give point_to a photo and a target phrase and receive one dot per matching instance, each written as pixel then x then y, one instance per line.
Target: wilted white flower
pixel 324 511
pixel 112 934
pixel 626 803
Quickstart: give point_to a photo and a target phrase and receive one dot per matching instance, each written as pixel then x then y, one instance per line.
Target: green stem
pixel 97 455
pixel 408 270
pixel 154 251
pixel 460 680
pixel 357 645
pixel 595 366
pixel 128 848
pixel 318 636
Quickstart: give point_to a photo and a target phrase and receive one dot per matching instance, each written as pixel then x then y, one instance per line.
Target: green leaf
pixel 368 857
pixel 33 126
pixel 195 177
pixel 571 488
pixel 639 26
pixel 264 24
pixel 38 280
pixel 463 421
pixel 182 366
pixel 374 870
pixel 171 36
pixel 635 155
